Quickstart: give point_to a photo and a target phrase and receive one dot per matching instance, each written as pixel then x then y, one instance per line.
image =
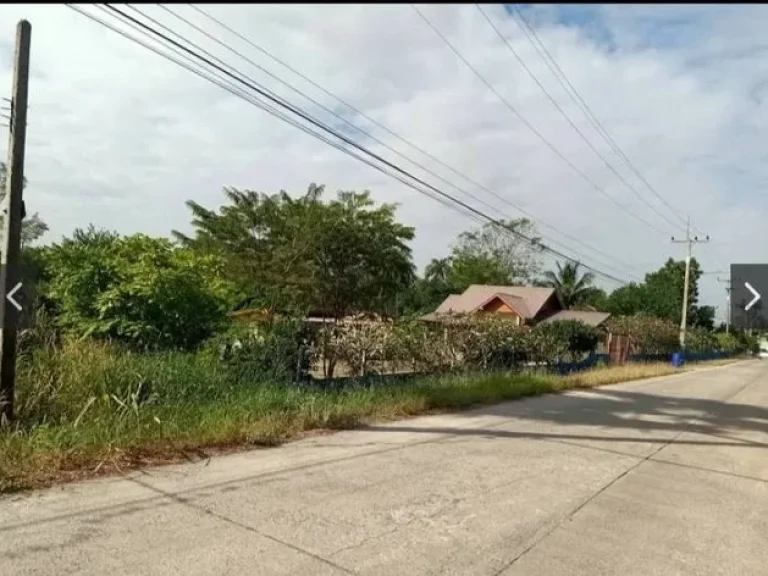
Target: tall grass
pixel 86 407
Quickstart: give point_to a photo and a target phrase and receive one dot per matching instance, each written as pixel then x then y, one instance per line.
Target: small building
pixel 524 305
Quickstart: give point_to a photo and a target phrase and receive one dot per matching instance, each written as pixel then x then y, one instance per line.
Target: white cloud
pixel 121 138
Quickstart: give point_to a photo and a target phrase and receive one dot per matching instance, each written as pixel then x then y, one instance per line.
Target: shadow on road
pixel 614 413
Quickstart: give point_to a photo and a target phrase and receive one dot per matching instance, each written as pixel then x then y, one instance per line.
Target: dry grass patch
pixel 615 374
pixel 79 422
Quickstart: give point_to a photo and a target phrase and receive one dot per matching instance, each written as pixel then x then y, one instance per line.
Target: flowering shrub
pixel 493 342
pixel 363 344
pixel 487 342
pixel 563 340
pixel 700 340
pixel 727 342
pixel 649 335
pixel 470 342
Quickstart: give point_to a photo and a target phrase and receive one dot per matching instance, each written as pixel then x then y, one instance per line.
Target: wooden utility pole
pixel 727 282
pixel 689 242
pixel 12 215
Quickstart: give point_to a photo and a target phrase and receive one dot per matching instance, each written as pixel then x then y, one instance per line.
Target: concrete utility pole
pixel 727 283
pixel 12 215
pixel 689 242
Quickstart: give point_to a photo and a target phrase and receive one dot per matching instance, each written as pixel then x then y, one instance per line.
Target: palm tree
pixel 439 271
pixel 572 288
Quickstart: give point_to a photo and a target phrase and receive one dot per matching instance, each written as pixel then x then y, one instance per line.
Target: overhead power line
pixel 530 126
pixel 570 89
pixel 557 71
pixel 407 178
pixel 282 116
pixel 366 133
pixel 570 121
pixel 464 191
pixel 191 65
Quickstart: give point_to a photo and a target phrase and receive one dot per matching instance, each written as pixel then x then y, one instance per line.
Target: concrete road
pixel 666 476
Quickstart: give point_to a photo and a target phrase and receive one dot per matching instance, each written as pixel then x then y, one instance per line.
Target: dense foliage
pixel 307 255
pixel 661 296
pixel 574 290
pixel 336 257
pixel 368 346
pixel 275 351
pixel 656 336
pixel 486 255
pixel 138 290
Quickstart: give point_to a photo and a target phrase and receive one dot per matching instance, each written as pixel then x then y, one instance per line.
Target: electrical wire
pixel 229 86
pixel 531 127
pixel 408 178
pixel 570 89
pixel 368 134
pixel 570 121
pixel 315 122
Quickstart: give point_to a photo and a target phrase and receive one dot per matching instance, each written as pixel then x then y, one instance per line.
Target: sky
pixel 121 138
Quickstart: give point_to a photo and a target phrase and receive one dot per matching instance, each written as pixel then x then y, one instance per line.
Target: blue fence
pixel 561 368
pixel 604 359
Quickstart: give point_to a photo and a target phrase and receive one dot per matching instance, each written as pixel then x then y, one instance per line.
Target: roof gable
pixel 527 300
pixel 515 303
pixel 533 297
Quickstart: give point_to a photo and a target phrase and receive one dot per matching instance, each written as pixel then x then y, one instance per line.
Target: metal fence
pixel 605 359
pixel 561 368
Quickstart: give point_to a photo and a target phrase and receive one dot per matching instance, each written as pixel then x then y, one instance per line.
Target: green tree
pixel 703 317
pixel 626 300
pixel 425 294
pixel 139 290
pixel 513 259
pixel 32 227
pixel 595 299
pixel 572 288
pixel 439 271
pixel 574 337
pixel 452 275
pixel 661 296
pixel 468 269
pixel 664 290
pixel 361 260
pixel 333 257
pixel 487 255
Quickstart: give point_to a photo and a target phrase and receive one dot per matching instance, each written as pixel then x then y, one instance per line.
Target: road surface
pixel 666 476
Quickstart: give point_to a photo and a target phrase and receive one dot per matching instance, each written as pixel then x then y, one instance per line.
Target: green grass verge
pixel 91 409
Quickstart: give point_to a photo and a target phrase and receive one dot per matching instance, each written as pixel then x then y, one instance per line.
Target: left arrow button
pixel 10 294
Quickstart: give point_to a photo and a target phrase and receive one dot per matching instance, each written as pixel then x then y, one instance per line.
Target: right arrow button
pixel 755 293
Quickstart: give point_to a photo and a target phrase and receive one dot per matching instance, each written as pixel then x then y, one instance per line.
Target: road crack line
pixel 626 472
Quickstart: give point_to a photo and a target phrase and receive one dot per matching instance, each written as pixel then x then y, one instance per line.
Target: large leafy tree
pixel 627 300
pixel 142 291
pixel 331 257
pixel 32 227
pixel 514 259
pixel 468 269
pixel 595 299
pixel 572 287
pixel 439 271
pixel 487 255
pixel 425 294
pixel 661 295
pixel 664 290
